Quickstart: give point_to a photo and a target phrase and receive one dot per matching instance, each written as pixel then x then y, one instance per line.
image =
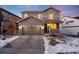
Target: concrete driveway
pixel 31 44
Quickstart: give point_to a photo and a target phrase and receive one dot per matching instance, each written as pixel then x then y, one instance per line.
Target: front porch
pixel 52 27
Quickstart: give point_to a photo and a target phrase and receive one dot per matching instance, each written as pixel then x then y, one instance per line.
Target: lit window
pixel 53 26
pixel 39 16
pixel 50 16
pixel 25 15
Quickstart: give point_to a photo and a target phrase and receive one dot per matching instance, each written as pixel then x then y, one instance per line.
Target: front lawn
pixel 64 46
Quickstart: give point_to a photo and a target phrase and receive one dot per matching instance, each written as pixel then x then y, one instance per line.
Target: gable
pixel 51 10
pixel 31 21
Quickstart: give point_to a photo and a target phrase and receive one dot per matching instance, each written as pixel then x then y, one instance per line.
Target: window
pixel 25 15
pixel 39 16
pixel 53 26
pixel 50 16
pixel 56 18
pixel 69 22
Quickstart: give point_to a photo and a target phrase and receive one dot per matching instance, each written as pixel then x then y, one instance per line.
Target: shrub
pixel 8 45
pixel 53 42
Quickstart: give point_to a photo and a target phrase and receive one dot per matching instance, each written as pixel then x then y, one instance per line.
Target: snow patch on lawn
pixel 7 40
pixel 72 45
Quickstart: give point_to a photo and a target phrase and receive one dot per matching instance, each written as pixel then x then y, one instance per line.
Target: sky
pixel 66 10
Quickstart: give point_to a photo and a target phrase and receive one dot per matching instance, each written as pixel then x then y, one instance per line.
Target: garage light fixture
pixel 42 27
pixel 20 27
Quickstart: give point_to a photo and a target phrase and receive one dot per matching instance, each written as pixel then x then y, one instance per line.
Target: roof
pixel 40 11
pixel 54 21
pixel 29 18
pixel 76 17
pixel 9 12
pixel 50 8
pixel 31 12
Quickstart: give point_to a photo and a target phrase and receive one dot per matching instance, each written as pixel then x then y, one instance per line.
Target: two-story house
pixel 39 22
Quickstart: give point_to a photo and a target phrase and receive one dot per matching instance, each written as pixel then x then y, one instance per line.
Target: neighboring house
pixel 8 20
pixel 39 22
pixel 70 25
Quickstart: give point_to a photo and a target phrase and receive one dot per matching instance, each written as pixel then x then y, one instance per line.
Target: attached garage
pixel 31 26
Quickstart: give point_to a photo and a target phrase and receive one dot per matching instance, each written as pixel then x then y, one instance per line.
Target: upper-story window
pixel 51 16
pixel 25 15
pixel 39 16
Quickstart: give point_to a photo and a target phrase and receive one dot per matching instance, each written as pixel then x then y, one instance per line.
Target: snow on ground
pixel 72 45
pixel 7 40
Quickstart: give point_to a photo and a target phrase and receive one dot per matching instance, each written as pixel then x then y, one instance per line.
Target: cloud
pixel 70 10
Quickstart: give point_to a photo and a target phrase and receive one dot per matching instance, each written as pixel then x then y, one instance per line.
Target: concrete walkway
pixel 25 45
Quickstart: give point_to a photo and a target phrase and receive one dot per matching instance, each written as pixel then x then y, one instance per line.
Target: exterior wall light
pixel 20 27
pixel 48 24
pixel 42 27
